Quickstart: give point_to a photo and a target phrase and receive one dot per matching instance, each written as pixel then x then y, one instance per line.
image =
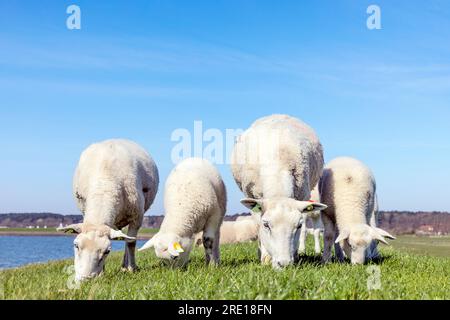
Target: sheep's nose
pixel 279 265
pixel 81 278
pixel 282 263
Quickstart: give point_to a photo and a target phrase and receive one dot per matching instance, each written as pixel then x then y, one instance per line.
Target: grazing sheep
pixel 348 188
pixel 195 201
pixel 115 183
pixel 276 163
pixel 316 221
pixel 241 231
pixel 244 229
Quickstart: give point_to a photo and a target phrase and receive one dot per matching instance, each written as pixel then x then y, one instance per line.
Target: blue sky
pixel 141 69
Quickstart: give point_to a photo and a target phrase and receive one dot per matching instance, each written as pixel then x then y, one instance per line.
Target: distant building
pixel 426 230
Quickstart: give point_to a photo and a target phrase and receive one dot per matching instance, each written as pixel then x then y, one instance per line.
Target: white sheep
pixel 244 229
pixel 348 188
pixel 317 227
pixel 241 231
pixel 115 183
pixel 276 163
pixel 195 201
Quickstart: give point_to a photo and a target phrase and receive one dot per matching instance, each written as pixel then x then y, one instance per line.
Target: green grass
pixel 403 276
pixel 431 246
pixel 148 231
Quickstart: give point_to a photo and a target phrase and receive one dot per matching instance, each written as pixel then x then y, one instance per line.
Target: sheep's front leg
pixel 373 251
pixel 329 237
pixel 338 250
pixel 216 248
pixel 129 259
pixel 211 239
pixel 316 223
pixel 264 255
pixel 303 235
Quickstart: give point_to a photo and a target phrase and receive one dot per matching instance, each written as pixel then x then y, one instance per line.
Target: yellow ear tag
pixel 178 247
pixel 267 260
pixel 257 209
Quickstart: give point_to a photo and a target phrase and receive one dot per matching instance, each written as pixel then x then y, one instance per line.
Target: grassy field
pixel 403 276
pixel 432 246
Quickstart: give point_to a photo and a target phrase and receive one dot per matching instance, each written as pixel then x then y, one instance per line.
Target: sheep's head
pixel 280 221
pixel 357 241
pixel 91 248
pixel 171 248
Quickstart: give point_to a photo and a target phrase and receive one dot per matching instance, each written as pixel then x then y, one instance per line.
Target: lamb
pixel 316 221
pixel 276 163
pixel 244 229
pixel 241 231
pixel 195 201
pixel 115 183
pixel 348 188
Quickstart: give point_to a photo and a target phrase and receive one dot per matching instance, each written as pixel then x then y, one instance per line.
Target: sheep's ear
pixel 73 228
pixel 119 235
pixel 175 249
pixel 253 204
pixel 150 244
pixel 344 235
pixel 310 206
pixel 378 236
pixel 385 234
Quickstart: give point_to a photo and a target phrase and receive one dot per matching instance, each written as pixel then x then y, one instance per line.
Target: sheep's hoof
pixel 213 265
pixel 130 269
pixel 212 262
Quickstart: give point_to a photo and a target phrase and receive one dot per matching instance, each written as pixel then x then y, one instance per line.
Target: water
pixel 16 251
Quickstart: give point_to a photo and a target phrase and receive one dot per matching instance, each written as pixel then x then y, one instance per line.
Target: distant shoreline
pixel 54 234
pixel 33 233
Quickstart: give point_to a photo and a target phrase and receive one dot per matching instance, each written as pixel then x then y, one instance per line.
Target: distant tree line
pixel 398 222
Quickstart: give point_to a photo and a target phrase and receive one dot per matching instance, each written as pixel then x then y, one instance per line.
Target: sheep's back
pixel 348 188
pixel 280 140
pixel 117 169
pixel 194 191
